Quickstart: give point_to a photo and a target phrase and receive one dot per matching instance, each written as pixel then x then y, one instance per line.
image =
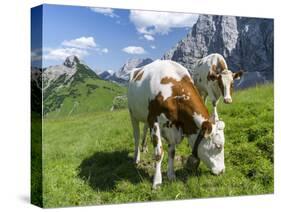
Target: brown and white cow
pixel 162 95
pixel 213 78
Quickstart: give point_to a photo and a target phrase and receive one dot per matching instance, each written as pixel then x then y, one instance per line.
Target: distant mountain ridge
pixel 106 74
pixel 246 43
pixel 72 88
pixel 122 75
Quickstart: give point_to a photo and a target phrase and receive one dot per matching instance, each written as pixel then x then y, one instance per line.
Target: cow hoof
pixel 192 163
pixel 171 176
pixel 156 186
pixel 136 161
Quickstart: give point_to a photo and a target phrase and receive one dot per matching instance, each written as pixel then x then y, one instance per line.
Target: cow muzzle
pixel 218 171
pixel 227 100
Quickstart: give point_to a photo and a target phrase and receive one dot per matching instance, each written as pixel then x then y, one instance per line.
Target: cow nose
pixel 227 100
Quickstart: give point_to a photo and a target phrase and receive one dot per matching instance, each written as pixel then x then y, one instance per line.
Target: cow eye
pixel 218 146
pixel 217 142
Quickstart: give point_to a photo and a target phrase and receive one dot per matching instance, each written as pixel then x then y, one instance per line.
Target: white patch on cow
pixel 198 119
pixel 157 179
pixel 158 153
pixel 227 79
pixel 166 90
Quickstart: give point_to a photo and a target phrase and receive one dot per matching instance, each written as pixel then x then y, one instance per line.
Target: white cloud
pixel 151 23
pixel 80 47
pixel 153 47
pixel 149 37
pixel 62 53
pixel 134 50
pixel 105 11
pixel 104 50
pixel 82 43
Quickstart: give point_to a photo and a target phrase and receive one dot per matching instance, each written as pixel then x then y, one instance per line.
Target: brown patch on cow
pixel 179 112
pixel 222 65
pixel 214 68
pixel 206 128
pixel 220 83
pixel 137 75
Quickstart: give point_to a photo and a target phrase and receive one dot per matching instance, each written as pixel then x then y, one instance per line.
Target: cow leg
pixel 171 152
pixel 158 153
pixel 215 112
pixel 136 131
pixel 144 144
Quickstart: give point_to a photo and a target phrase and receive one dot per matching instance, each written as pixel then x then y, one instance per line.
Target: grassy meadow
pixel 88 158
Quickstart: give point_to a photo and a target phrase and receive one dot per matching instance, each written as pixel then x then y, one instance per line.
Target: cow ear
pixel 206 128
pixel 237 75
pixel 212 76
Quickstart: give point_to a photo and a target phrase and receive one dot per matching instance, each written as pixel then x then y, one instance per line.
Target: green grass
pixel 87 158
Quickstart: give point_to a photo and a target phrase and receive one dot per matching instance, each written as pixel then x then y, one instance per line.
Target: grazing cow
pixel 213 78
pixel 162 95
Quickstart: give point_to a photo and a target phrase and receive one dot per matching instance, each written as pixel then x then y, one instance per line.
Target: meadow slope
pixel 87 158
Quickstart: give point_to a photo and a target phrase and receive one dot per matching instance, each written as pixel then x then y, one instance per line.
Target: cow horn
pixel 212 119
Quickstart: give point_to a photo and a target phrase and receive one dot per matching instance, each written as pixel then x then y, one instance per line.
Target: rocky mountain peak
pixel 133 63
pixel 71 61
pixel 122 75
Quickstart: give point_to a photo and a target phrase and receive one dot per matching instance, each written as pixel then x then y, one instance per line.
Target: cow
pixel 213 79
pixel 162 95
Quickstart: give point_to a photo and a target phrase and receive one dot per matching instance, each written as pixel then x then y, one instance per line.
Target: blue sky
pixel 106 38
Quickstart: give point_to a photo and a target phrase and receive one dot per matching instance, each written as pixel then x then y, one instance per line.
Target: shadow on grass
pixel 103 169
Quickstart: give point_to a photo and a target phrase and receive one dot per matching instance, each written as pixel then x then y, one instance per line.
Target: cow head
pixel 225 81
pixel 211 147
